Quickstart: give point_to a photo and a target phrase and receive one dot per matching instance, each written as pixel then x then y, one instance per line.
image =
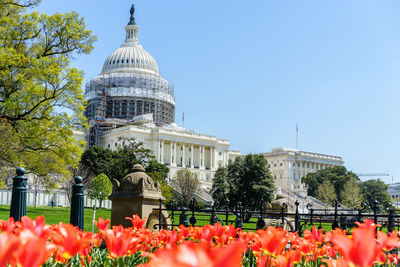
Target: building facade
pixel 288 166
pixel 130 99
pixel 177 148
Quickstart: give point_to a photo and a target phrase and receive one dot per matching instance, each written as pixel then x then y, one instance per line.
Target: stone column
pixel 159 151
pixel 183 155
pixel 203 157
pixel 192 157
pixel 162 152
pixel 211 158
pixel 175 153
pixel 170 153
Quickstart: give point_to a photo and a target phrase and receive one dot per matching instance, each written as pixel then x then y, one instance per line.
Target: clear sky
pixel 248 71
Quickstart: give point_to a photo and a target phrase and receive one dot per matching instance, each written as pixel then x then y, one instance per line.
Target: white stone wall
pixel 43 199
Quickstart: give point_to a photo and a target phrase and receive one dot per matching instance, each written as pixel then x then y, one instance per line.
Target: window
pixel 122 61
pixel 118 61
pixel 116 144
pixel 220 153
pixel 108 145
pixel 280 164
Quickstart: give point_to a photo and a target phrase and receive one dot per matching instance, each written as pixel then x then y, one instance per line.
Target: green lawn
pixel 57 214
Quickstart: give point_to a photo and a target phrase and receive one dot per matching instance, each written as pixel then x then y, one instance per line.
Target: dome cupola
pixel 131 57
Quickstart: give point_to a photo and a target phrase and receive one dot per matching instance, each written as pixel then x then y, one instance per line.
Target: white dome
pixel 131 57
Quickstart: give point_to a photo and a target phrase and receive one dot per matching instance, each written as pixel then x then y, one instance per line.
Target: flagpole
pixel 297 136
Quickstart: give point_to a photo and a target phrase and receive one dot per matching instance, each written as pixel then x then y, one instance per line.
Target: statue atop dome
pixel 132 18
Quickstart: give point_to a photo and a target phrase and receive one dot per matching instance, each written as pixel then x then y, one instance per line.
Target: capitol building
pixel 131 99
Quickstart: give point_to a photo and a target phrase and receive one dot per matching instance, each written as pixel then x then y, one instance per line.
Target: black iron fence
pixel 333 217
pixel 18 199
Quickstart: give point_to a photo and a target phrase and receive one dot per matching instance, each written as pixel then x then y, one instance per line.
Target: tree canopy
pixel 118 163
pixel 375 190
pixel 326 192
pixel 247 180
pixel 187 184
pixel 41 100
pixel 337 176
pixel 100 188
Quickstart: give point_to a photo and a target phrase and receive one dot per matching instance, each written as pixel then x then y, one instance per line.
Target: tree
pixel 246 180
pixel 40 93
pixel 220 186
pixel 159 173
pixel 326 192
pixel 375 190
pixel 351 195
pixel 187 184
pixel 337 176
pixel 100 188
pixel 116 164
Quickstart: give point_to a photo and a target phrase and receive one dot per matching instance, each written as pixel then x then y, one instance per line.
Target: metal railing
pixel 333 217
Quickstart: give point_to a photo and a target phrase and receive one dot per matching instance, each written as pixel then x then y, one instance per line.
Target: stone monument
pixel 137 194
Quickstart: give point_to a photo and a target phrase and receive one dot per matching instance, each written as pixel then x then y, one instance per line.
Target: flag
pixel 183 117
pixel 297 128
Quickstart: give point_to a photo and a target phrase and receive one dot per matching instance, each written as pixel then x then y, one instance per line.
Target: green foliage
pixel 187 184
pixel 118 163
pixel 100 188
pixel 351 195
pixel 337 176
pixel 375 190
pixel 157 171
pixel 220 186
pixel 249 181
pixel 326 192
pixel 40 93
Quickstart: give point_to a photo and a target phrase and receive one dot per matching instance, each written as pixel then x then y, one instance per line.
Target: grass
pixel 57 214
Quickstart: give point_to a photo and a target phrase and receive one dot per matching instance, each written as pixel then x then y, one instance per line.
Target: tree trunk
pixel 100 203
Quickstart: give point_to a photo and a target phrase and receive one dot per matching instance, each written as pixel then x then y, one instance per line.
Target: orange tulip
pixel 8 245
pixel 272 239
pixel 136 221
pixel 102 224
pixel 191 254
pixel 361 249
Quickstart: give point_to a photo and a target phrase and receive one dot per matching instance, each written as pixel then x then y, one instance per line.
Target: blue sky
pixel 249 71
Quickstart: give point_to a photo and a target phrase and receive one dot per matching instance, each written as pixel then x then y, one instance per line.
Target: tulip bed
pixel 34 243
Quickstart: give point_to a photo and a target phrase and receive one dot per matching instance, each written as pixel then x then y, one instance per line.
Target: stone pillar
pixel 183 155
pixel 159 151
pixel 162 152
pixel 192 157
pixel 137 194
pixel 202 157
pixel 212 158
pixel 174 153
pixel 170 153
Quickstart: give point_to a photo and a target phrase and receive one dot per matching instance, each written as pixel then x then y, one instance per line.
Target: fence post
pixel 238 221
pixel 375 211
pixel 335 223
pixel 296 216
pixel 310 208
pixel 76 218
pixel 183 218
pixel 18 196
pixel 213 218
pixel 284 207
pixel 390 218
pixel 160 215
pixel 193 219
pixel 227 212
pixel 260 221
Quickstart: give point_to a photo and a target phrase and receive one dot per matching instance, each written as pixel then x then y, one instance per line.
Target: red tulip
pixel 8 245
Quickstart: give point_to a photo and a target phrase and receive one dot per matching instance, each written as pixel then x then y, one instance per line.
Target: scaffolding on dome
pixel 115 99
